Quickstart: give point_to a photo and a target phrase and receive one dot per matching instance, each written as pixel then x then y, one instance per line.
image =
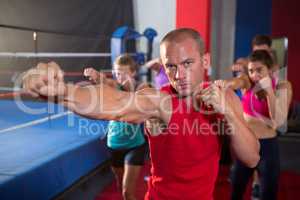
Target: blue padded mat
pixel 42 160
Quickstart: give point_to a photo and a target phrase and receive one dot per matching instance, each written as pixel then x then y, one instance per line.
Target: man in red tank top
pixel 184 151
pixel 185 154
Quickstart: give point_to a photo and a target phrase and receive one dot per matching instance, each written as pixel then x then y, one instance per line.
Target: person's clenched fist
pixel 46 79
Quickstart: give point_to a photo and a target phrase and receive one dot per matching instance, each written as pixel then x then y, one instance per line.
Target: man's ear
pixel 206 61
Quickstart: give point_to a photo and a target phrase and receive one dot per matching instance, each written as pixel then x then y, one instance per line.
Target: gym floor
pixel 97 184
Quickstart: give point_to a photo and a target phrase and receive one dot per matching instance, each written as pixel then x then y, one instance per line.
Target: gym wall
pixel 62 26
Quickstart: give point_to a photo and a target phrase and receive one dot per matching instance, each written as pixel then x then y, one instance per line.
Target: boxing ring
pixel 45 149
pixel 45 153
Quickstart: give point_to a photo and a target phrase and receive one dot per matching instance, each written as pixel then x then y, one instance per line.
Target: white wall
pixel 161 15
pixel 157 14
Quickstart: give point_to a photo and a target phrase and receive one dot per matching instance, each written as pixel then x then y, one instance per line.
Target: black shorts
pixel 132 156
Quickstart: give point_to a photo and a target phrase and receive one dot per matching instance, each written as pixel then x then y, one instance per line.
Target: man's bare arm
pixel 244 144
pixel 241 82
pixel 105 102
pixel 96 101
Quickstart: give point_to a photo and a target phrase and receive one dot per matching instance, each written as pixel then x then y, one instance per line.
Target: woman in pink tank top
pixel 265 105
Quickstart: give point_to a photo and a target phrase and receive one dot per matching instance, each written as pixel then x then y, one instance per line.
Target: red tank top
pixel 185 157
